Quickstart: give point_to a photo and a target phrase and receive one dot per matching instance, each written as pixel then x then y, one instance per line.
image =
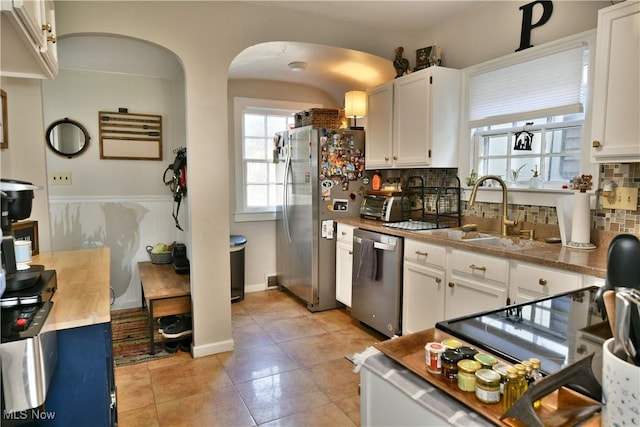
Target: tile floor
pixel 288 369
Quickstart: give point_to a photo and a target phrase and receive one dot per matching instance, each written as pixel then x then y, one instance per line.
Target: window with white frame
pixel 538 97
pixel 259 171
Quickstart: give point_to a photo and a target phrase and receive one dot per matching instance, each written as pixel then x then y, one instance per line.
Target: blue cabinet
pixel 83 383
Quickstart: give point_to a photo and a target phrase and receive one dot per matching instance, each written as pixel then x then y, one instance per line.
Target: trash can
pixel 236 248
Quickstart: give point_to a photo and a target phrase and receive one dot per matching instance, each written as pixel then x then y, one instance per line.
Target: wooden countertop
pixel 589 262
pixel 84 286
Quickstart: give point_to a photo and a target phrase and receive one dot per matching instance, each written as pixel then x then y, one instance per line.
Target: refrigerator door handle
pixel 285 198
pixel 378 245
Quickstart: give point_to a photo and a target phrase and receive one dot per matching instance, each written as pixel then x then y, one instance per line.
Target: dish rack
pixel 439 204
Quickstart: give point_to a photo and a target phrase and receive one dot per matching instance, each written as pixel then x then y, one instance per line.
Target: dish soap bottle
pixel 535 181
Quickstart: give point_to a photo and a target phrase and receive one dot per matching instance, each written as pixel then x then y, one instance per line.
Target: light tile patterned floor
pixel 288 369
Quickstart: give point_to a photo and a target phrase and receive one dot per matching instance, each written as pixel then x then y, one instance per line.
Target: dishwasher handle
pixel 378 245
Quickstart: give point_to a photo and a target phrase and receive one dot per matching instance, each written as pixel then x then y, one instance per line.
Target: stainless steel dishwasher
pixel 377 281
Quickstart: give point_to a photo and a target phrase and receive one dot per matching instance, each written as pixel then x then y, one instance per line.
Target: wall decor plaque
pixel 130 136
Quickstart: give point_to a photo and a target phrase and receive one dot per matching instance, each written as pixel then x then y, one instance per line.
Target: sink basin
pixel 485 239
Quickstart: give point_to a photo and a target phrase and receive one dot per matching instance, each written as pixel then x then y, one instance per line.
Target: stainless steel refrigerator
pixel 322 181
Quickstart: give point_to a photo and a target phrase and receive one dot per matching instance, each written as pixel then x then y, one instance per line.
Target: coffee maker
pixel 17 199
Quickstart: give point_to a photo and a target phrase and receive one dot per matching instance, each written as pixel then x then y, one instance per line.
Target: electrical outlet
pixel 60 178
pixel 625 198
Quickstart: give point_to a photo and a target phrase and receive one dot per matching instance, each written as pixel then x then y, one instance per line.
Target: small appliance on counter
pixel 28 350
pixel 384 208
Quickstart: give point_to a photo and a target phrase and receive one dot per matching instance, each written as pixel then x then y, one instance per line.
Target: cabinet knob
pixel 51 38
pixel 350 252
pixel 451 284
pixel 596 144
pixel 438 280
pixel 420 253
pixel 47 27
pixel 395 157
pixel 475 267
pixel 386 159
pixel 344 233
pixel 542 282
pixel 581 350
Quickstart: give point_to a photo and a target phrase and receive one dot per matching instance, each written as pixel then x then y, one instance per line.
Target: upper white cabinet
pixel 615 130
pixel 413 120
pixel 28 46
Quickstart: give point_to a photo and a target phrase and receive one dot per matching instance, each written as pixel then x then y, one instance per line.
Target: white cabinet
pixel 423 286
pixel 28 39
pixel 615 130
pixel 344 263
pixel 413 120
pixel 476 283
pixel 530 282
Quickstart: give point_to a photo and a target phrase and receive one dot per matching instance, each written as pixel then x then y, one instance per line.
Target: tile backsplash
pixel 602 219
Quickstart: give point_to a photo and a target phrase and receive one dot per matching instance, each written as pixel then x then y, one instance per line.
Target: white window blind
pixel 546 86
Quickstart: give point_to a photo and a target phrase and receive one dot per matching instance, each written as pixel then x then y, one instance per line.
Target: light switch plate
pixel 625 198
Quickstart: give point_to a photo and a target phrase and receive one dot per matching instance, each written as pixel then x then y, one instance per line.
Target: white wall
pixel 80 95
pixel 492 29
pixel 120 204
pixel 24 160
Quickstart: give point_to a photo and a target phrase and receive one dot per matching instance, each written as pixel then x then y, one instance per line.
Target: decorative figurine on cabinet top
pixel 401 64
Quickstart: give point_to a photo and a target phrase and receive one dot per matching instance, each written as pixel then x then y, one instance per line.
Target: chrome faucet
pixel 505 193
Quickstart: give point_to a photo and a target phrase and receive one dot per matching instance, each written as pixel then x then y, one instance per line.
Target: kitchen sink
pixel 485 239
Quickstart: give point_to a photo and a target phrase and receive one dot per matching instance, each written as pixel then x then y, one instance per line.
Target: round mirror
pixel 67 137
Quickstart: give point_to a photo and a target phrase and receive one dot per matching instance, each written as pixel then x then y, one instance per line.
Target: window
pixel 555 150
pixel 541 94
pixel 258 174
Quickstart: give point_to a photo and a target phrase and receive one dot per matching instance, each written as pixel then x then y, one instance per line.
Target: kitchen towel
pixel 368 266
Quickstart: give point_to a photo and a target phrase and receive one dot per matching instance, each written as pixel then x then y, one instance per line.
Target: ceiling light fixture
pixel 297 66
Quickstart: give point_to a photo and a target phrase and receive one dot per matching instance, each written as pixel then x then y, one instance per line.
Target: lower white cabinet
pixel 422 297
pixel 344 261
pixel 530 282
pixel 476 283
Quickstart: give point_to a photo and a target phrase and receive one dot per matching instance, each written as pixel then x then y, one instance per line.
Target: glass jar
pixel 522 377
pixel 449 360
pixel 535 376
pixel 467 374
pixel 433 350
pixel 487 386
pixel 451 344
pixel 467 352
pixel 485 360
pixel 501 369
pixel 511 390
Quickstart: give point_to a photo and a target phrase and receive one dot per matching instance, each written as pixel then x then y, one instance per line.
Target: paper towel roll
pixel 581 227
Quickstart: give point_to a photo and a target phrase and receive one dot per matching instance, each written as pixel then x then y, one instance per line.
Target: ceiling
pixel 334 70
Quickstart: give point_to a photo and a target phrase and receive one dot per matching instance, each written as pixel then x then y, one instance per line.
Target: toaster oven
pixel 385 208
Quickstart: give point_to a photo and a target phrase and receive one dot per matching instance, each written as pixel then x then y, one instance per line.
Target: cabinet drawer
pixel 424 253
pixel 479 266
pixel 345 233
pixel 545 281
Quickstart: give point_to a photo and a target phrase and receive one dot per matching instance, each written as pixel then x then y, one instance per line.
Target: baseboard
pixel 213 348
pixel 124 305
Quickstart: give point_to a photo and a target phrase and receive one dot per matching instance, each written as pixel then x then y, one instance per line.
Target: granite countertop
pixel 554 255
pixel 84 287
